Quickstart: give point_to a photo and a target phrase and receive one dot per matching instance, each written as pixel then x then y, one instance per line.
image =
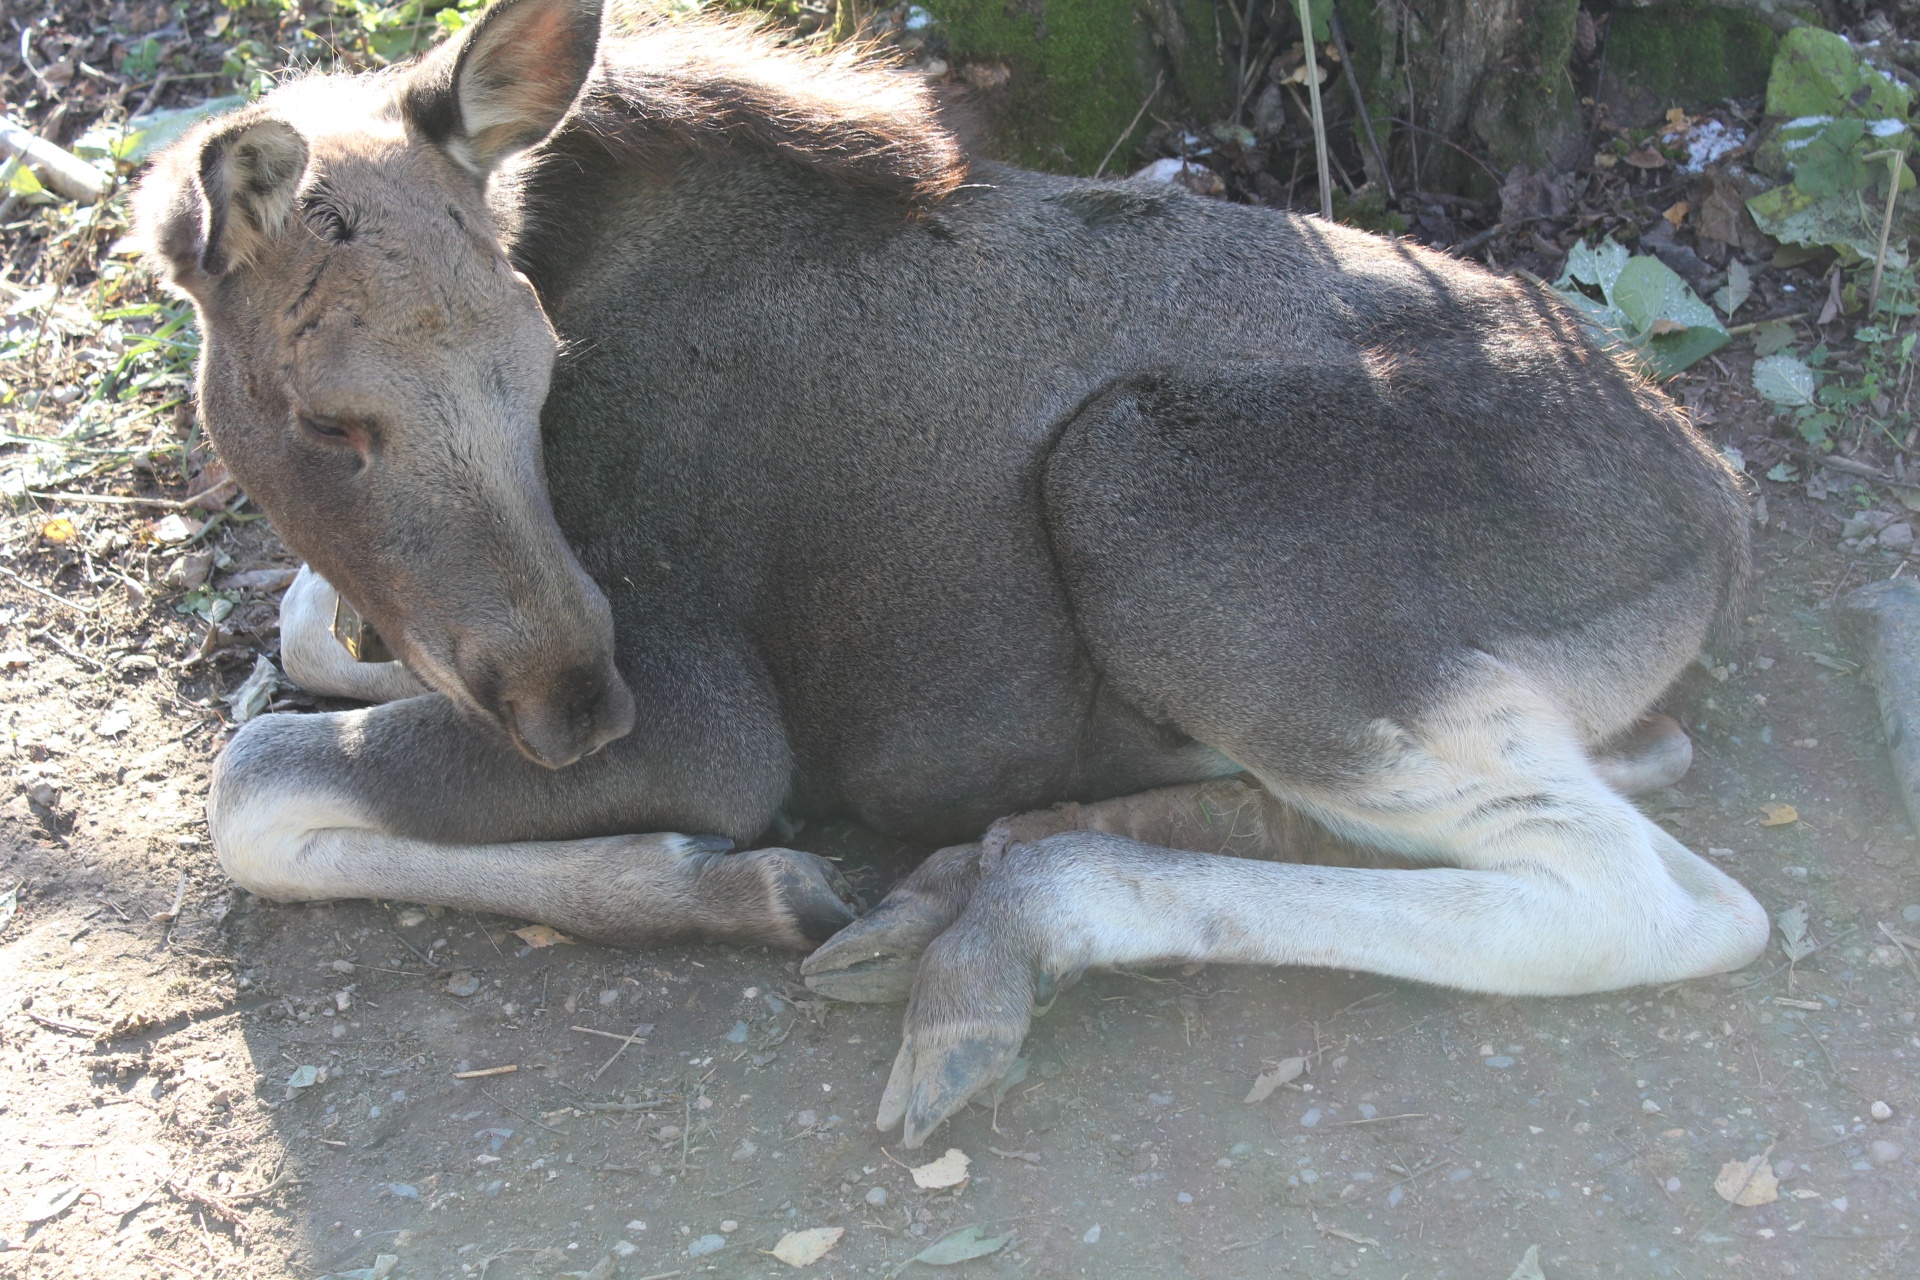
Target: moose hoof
pixel 969 1014
pixel 874 959
pixel 808 899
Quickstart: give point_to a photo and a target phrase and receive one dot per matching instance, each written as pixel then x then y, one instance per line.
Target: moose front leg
pixel 408 801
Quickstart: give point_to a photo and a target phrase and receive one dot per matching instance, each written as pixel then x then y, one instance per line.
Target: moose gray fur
pixel 714 440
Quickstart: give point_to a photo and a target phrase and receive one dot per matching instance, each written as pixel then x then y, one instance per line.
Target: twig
pixel 523 1115
pixel 1896 166
pixel 1443 138
pixel 41 591
pixel 484 1072
pixel 633 1038
pixel 1359 99
pixel 115 500
pixel 1319 119
pixel 1405 1115
pixel 71 1028
pixel 1159 79
pixel 1247 1244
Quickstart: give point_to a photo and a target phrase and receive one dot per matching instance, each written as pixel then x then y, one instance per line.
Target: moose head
pixel 373 367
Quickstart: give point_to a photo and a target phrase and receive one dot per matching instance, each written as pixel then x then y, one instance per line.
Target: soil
pixel 145 1061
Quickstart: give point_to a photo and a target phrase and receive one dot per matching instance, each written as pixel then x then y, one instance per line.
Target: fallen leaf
pixel 540 935
pixel 1647 158
pixel 960 1246
pixel 1665 325
pixel 1676 213
pixel 1747 1183
pixel 950 1170
pixel 804 1248
pixel 1676 120
pixel 58 530
pixel 1267 1081
pixel 1779 815
pixel 176 528
pixel 115 722
pixel 1529 1268
pixel 601 1270
pixel 50 1202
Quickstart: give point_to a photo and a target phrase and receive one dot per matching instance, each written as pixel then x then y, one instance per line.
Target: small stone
pixel 1880 1111
pixel 1185 1197
pixel 403 1191
pixel 738 1035
pixel 1093 1234
pixel 1911 913
pixel 411 918
pixel 1310 1117
pixel 610 996
pixel 1649 1106
pixel 1368 1111
pixel 42 793
pixel 1897 537
pixel 343 966
pixel 747 1150
pixel 877 1197
pixel 807 1119
pixel 1673 1186
pixel 636 1226
pixel 1880 1151
pixel 1839 1204
pixel 1499 1061
pixel 705 1245
pixel 1241 1149
pixel 1160 1099
pixel 462 984
pixel 729 1226
pixel 624 1248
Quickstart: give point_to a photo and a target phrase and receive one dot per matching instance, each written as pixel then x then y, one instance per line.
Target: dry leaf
pixel 1665 325
pixel 176 528
pixel 1267 1081
pixel 540 935
pixel 1529 1268
pixel 1747 1183
pixel 1677 213
pixel 804 1248
pixel 57 530
pixel 1779 815
pixel 950 1170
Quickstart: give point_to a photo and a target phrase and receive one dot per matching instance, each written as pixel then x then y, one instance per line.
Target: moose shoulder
pixel 710 439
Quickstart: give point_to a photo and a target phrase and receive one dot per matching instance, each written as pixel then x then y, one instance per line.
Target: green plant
pixel 1831 399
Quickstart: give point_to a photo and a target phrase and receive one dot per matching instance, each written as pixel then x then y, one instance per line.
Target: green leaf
pixel 1842 221
pixel 956 1247
pixel 1730 296
pixel 1817 73
pixel 1598 265
pixel 1669 320
pixel 23 182
pixel 1785 380
pixel 1782 473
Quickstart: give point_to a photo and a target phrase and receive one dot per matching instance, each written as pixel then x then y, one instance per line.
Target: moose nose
pixel 570 714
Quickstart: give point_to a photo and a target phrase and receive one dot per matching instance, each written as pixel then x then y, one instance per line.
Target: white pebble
pixel 1093 1234
pixel 1880 1111
pixel 877 1196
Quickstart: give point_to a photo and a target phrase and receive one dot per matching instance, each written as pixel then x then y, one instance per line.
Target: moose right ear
pixel 506 81
pixel 215 198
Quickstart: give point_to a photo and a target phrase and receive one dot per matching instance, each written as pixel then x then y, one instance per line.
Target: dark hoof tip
pixel 819 905
pixel 877 980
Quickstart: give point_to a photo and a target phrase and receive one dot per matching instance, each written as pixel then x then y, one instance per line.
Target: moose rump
pixel 716 443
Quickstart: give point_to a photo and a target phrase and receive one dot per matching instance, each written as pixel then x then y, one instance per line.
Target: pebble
pixel 1160 1099
pixel 1880 1151
pixel 1649 1106
pixel 1185 1197
pixel 1093 1235
pixel 624 1248
pixel 1673 1186
pixel 738 1035
pixel 636 1225
pixel 343 966
pixel 705 1245
pixel 1880 1111
pixel 1241 1149
pixel 747 1150
pixel 411 918
pixel 1911 913
pixel 1310 1117
pixel 877 1197
pixel 462 984
pixel 1498 1061
pixel 403 1191
pixel 729 1226
pixel 1897 537
pixel 1368 1111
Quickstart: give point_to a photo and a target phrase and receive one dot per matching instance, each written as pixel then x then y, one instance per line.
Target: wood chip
pixel 950 1170
pixel 507 1070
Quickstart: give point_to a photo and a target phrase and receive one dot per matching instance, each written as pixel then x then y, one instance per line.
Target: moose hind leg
pixel 1551 884
pixel 318 663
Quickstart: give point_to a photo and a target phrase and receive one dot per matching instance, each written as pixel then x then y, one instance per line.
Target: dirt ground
pixel 148 1122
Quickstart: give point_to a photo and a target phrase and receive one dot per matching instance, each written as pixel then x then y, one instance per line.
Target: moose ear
pixel 215 199
pixel 506 81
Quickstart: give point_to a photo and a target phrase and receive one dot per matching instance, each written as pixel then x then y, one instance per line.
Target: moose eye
pixel 325 430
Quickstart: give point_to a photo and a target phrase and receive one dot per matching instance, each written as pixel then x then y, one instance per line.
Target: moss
pixel 1081 68
pixel 1530 112
pixel 1683 55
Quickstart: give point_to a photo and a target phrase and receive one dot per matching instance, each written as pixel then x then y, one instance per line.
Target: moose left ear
pixel 506 81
